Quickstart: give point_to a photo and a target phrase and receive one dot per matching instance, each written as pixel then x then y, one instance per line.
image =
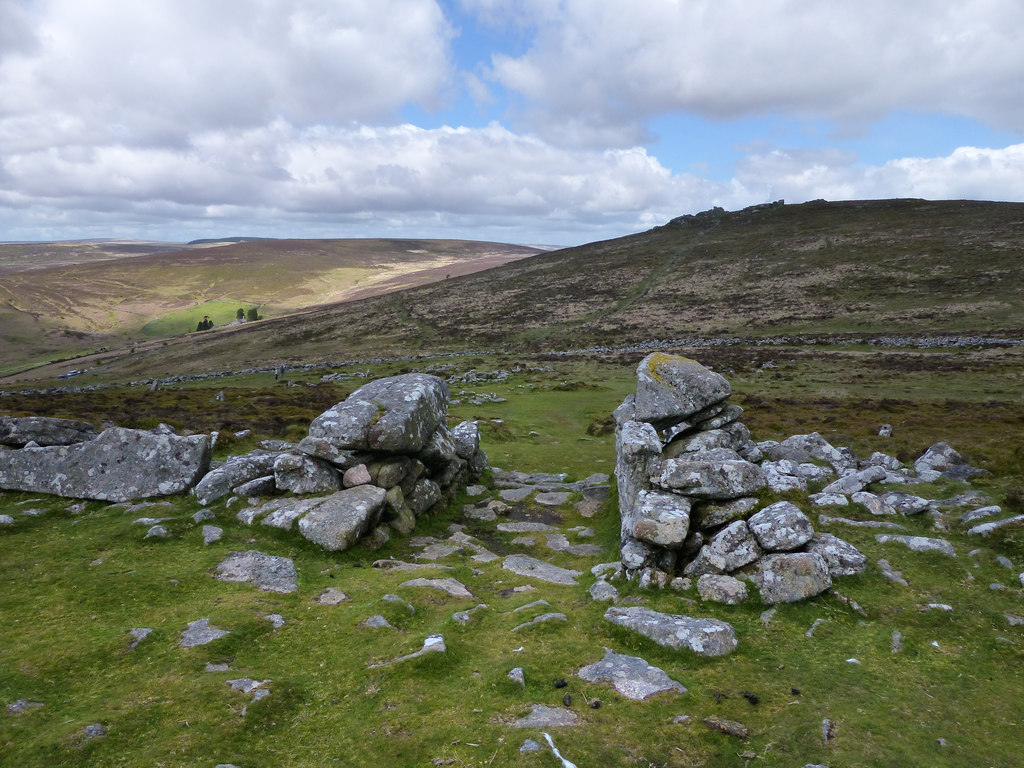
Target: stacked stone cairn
pixel 688 478
pixel 371 464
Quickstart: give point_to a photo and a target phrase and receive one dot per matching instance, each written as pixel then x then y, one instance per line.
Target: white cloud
pixel 598 69
pixel 155 72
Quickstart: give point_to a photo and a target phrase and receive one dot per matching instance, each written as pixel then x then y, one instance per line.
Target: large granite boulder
pixel 341 519
pixel 305 474
pixel 841 557
pixel 119 465
pixel 234 472
pixel 397 414
pixel 671 389
pixel 781 527
pixel 661 518
pixel 44 431
pixel 729 549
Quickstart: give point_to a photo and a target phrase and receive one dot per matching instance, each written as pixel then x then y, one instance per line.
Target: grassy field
pixel 186 320
pixel 75 583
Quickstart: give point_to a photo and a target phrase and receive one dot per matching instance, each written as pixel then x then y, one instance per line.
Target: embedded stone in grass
pixel 376 622
pixel 200 632
pixel 891 573
pixel 433 644
pixel 21 705
pixel 829 520
pixel 918 543
pixel 276 619
pixel 542 619
pixel 211 534
pixel 631 676
pixel 6 520
pixel 730 727
pixel 523 565
pixel 453 587
pixel 463 617
pixel 525 526
pixel 705 637
pixel 986 529
pixel 332 596
pixel 516 676
pixel 138 634
pixel 552 498
pixel 602 591
pixel 269 573
pixel 94 731
pixel 547 717
pixel 516 495
pixel 157 532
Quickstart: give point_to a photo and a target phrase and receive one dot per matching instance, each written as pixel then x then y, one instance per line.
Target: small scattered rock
pixel 542 619
pixel 523 565
pixel 21 705
pixel 376 622
pixel 211 534
pixel 138 634
pixel 730 727
pixel 516 676
pixel 94 731
pixel 332 596
pixel 200 632
pixel 433 644
pixel 631 676
pixel 547 717
pixel 157 532
pixel 453 587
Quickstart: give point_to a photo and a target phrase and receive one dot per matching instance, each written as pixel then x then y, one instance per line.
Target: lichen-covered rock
pixel 918 543
pixel 632 677
pixel 707 479
pixel 780 527
pixel 938 458
pixel 440 449
pixel 636 444
pixel 397 414
pixel 43 431
pixel 268 572
pixel 801 448
pixel 671 388
pixel 729 549
pixel 341 519
pixel 233 473
pixel 705 637
pixel 841 557
pixel 661 518
pixel 119 465
pixel 721 589
pixel 733 436
pixel 425 494
pixel 706 515
pixel 467 439
pixel 300 474
pixel 789 577
pixel 856 481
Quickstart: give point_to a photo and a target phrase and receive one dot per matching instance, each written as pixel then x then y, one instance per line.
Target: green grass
pixel 71 586
pixel 185 320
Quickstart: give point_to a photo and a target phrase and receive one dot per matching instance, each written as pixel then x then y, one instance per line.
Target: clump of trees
pixel 252 314
pixel 205 324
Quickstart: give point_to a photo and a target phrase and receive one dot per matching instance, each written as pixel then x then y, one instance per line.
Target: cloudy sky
pixel 534 121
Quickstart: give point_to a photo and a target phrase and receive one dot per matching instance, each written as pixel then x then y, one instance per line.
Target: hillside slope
pixel 868 267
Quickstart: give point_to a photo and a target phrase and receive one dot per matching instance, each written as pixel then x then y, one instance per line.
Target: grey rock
pixel 432 644
pixel 806 448
pixel 670 388
pixel 516 676
pixel 905 503
pixel 721 589
pixel 341 519
pixel 636 445
pixel 440 449
pixel 118 465
pixel 376 622
pixel 236 471
pixel 787 578
pixel 829 520
pixel 463 617
pixel 43 431
pixel 731 437
pixel 603 592
pixel 872 503
pixel 6 520
pixel 21 705
pixel 728 727
pixel 986 529
pixel 300 474
pixel 467 439
pixel 282 513
pixel 782 476
pixel 706 515
pixel 261 486
pixel 202 515
pixel 475 490
pixel 212 533
pixel 938 458
pixel 542 619
pixel 731 548
pixel 523 565
pixel 636 554
pixel 552 498
pixel 94 731
pixel 276 619
pixel 828 500
pixel 157 532
pixel 705 637
pixel 856 481
pixel 451 586
pixel 974 515
pixel 662 519
pixel 780 527
pixel 842 558
pixel 425 494
pixel 529 746
pixel 332 596
pixel 525 526
pixel 891 573
pixel 918 543
pixel 322 448
pixel 516 495
pixel 896 642
pixel 709 479
pixel 397 414
pixel 138 634
pixel 199 632
pixel 631 676
pixel 267 572
pixel 547 717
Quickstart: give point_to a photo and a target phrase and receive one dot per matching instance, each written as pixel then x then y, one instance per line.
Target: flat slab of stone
pixel 542 619
pixel 43 431
pixel 631 676
pixel 524 565
pixel 199 632
pixel 830 520
pixel 341 519
pixel 119 465
pixel 525 526
pixel 705 637
pixel 433 644
pixel 986 529
pixel 918 543
pixel 552 498
pixel 710 479
pixel 516 495
pixel 453 587
pixel 267 572
pixel 547 717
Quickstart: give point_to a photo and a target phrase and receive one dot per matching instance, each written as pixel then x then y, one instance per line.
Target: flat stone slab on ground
pixel 523 565
pixel 705 637
pixel 918 543
pixel 552 498
pixel 453 587
pixel 525 526
pixel 515 495
pixel 268 572
pixel 547 717
pixel 542 619
pixel 200 632
pixel 433 644
pixel 632 677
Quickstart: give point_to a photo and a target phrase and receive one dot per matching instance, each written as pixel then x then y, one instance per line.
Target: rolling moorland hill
pixel 58 298
pixel 864 268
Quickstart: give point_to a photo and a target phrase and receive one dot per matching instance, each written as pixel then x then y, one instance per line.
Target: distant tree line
pixel 252 314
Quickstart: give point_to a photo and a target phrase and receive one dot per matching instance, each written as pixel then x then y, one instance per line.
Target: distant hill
pixel 209 241
pixel 57 300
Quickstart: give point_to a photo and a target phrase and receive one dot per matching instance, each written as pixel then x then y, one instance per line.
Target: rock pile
pixel 689 474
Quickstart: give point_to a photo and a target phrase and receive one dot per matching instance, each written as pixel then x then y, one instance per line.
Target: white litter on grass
pixel 565 763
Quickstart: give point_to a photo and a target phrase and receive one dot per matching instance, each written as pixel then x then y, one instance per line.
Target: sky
pixel 554 122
